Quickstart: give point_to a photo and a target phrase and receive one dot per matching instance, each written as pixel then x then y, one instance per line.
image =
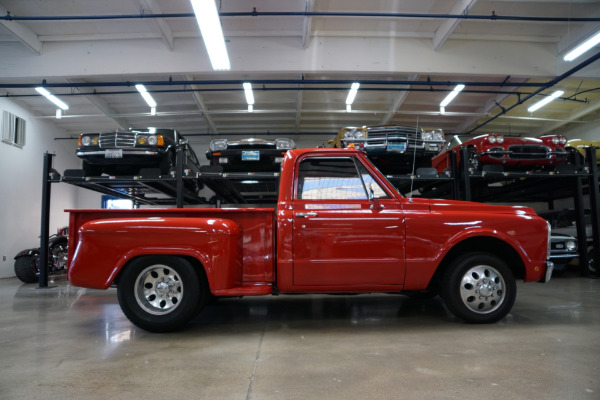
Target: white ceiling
pixel 391 55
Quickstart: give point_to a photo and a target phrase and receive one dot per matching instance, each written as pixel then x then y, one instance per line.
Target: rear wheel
pixel 161 293
pixel 26 268
pixel 479 288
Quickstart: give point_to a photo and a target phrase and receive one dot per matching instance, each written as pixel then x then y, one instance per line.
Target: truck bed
pixel 256 225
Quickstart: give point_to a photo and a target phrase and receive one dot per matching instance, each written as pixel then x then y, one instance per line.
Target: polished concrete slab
pixel 71 343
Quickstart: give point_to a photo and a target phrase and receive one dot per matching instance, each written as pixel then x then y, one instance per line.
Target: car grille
pixel 528 152
pixel 117 139
pixel 381 136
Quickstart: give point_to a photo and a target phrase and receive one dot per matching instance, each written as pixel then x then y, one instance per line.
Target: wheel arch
pixel 198 265
pixel 484 244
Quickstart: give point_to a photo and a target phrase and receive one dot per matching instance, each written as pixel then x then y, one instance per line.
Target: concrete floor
pixel 70 343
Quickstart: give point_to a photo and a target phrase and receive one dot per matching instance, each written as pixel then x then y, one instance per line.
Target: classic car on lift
pixel 393 149
pixel 126 151
pixel 521 153
pixel 249 155
pixel 577 150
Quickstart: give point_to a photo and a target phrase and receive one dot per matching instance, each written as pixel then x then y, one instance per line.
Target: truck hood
pixel 473 207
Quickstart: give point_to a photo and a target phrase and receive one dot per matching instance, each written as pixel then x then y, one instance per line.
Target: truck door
pixel 347 230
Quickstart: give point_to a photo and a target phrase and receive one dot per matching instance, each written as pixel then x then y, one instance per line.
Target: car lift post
pixel 594 203
pixel 464 162
pixel 45 228
pixel 455 176
pixel 179 174
pixel 580 226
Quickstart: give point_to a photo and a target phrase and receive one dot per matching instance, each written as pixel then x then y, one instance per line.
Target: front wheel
pixel 479 288
pixel 161 293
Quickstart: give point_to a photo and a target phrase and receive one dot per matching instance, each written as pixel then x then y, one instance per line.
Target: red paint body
pixel 350 245
pixel 518 152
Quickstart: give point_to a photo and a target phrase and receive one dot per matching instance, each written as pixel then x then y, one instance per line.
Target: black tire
pixel 26 268
pixel 479 288
pixel 474 158
pixel 161 293
pixel 90 169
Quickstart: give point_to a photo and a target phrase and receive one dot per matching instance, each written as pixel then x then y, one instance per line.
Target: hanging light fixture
pixel 207 17
pixel 351 96
pixel 545 101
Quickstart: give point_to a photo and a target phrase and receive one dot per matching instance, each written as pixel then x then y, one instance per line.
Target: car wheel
pixel 474 159
pixel 26 268
pixel 91 170
pixel 161 293
pixel 479 288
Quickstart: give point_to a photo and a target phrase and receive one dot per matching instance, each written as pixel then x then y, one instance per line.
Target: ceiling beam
pixel 593 107
pixel 25 35
pixel 103 106
pixel 161 23
pixel 307 23
pixel 199 99
pixel 449 25
pixel 398 102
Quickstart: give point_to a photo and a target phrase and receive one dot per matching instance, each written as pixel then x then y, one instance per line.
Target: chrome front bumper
pixel 549 269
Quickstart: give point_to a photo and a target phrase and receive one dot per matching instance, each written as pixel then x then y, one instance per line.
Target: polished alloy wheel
pixel 482 289
pixel 158 289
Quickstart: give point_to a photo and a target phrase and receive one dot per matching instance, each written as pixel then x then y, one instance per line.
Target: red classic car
pixel 512 152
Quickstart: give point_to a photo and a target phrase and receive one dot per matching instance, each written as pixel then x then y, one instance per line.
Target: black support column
pixel 45 226
pixel 594 203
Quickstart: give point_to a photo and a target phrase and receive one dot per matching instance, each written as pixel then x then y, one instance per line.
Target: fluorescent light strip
pixel 545 101
pixel 210 27
pixel 352 93
pixel 248 93
pixel 452 95
pixel 583 47
pixel 147 96
pixel 52 98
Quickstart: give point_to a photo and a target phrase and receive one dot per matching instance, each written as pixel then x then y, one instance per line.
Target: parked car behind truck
pixel 393 149
pixel 339 227
pixel 126 151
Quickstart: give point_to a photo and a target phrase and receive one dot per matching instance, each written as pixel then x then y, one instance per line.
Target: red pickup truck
pixel 339 227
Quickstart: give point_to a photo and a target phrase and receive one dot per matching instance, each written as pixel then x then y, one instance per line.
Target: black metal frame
pixel 461 183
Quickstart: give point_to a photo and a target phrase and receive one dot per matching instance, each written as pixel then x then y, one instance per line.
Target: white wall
pixel 589 131
pixel 21 186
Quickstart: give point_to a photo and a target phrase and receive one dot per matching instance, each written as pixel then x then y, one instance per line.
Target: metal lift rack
pixel 262 187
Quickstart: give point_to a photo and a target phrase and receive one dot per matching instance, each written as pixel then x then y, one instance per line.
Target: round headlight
pixel 86 140
pixel 571 245
pixel 152 140
pixel 284 144
pixel 95 140
pixel 563 140
pixel 218 144
pixel 141 140
pixel 492 139
pixel 500 139
pixel 349 134
pixel 555 139
pixel 359 134
pixel 427 135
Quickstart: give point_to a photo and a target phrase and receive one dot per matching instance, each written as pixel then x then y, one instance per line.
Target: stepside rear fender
pixel 105 246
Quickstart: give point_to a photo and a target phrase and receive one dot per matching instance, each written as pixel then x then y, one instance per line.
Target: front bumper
pixel 126 156
pixel 549 269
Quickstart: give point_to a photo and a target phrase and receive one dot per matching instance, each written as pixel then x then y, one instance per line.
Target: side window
pixel 13 129
pixel 372 186
pixel 329 179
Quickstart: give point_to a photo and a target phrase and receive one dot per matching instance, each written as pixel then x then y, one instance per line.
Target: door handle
pixel 307 214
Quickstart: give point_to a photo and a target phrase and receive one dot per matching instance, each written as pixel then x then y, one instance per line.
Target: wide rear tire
pixel 479 288
pixel 26 268
pixel 161 293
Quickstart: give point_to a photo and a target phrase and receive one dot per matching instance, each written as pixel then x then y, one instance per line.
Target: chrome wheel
pixel 482 289
pixel 158 289
pixel 479 288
